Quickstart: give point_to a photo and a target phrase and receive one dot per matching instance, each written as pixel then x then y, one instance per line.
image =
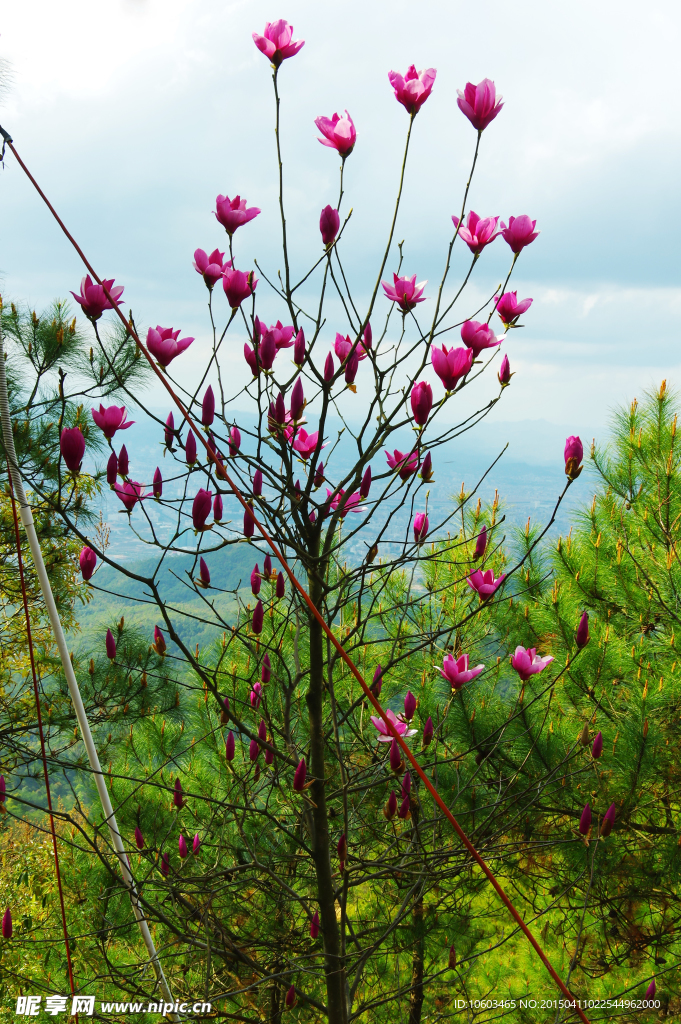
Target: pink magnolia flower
pixel 365 485
pixel 256 696
pixel 351 504
pixel 178 796
pixel 217 508
pixel 329 223
pixel 479 232
pixel 585 820
pixel 651 990
pixel 182 847
pixel 290 999
pixel 582 638
pixel 210 267
pixel 238 286
pixel 426 473
pixel 343 347
pixel 412 89
pixel 123 462
pixel 297 400
pixel 519 233
pixel 249 522
pixel 208 407
pixel 314 925
pixel 509 309
pixel 421 402
pixel 480 544
pixel 110 644
pixel 339 133
pixel 111 419
pixel 267 351
pixel 477 337
pixel 527 662
pixel 280 335
pixel 88 561
pixel 7 924
pixel 299 777
pixel 190 448
pixel 112 469
pixel 504 375
pixel 457 672
pixel 397 721
pixel 72 447
pixel 159 642
pixel 406 464
pixel 201 508
pixel 139 838
pixel 305 444
pixel 165 864
pixel 484 582
pixel 169 432
pixel 574 453
pixel 230 746
pixel 420 527
pixel 299 348
pixel 163 344
pixel 234 441
pixel 258 618
pixel 130 493
pixel 277 42
pixel 92 299
pixel 405 292
pixel 232 213
pixel 452 364
pixel 480 103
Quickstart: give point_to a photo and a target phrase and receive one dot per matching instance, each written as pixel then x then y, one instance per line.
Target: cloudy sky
pixel 135 114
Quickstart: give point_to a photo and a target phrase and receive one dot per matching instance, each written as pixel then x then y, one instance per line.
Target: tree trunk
pixel 333 965
pixel 416 996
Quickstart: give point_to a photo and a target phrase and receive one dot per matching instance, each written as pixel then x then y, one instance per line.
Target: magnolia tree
pixel 284 851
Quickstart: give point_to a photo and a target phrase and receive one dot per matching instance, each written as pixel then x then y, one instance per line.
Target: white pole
pixel 27 520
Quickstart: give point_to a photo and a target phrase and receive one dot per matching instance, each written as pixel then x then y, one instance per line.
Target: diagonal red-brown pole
pixel 313 609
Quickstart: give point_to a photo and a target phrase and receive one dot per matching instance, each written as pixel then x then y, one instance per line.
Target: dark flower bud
pixel 365 485
pixel 112 469
pixel 585 820
pixel 608 821
pixel 480 544
pixel 390 808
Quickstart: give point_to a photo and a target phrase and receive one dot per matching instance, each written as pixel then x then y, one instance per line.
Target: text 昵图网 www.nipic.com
pixel 29 1006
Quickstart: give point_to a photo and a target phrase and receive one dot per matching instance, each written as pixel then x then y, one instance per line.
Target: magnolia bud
pixel 582 637
pixel 391 807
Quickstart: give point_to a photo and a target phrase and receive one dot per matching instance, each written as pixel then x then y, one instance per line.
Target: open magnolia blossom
pixel 484 582
pixel 457 672
pixel 399 723
pixel 527 662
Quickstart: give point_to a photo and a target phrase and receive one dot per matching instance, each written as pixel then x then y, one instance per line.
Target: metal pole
pixel 93 758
